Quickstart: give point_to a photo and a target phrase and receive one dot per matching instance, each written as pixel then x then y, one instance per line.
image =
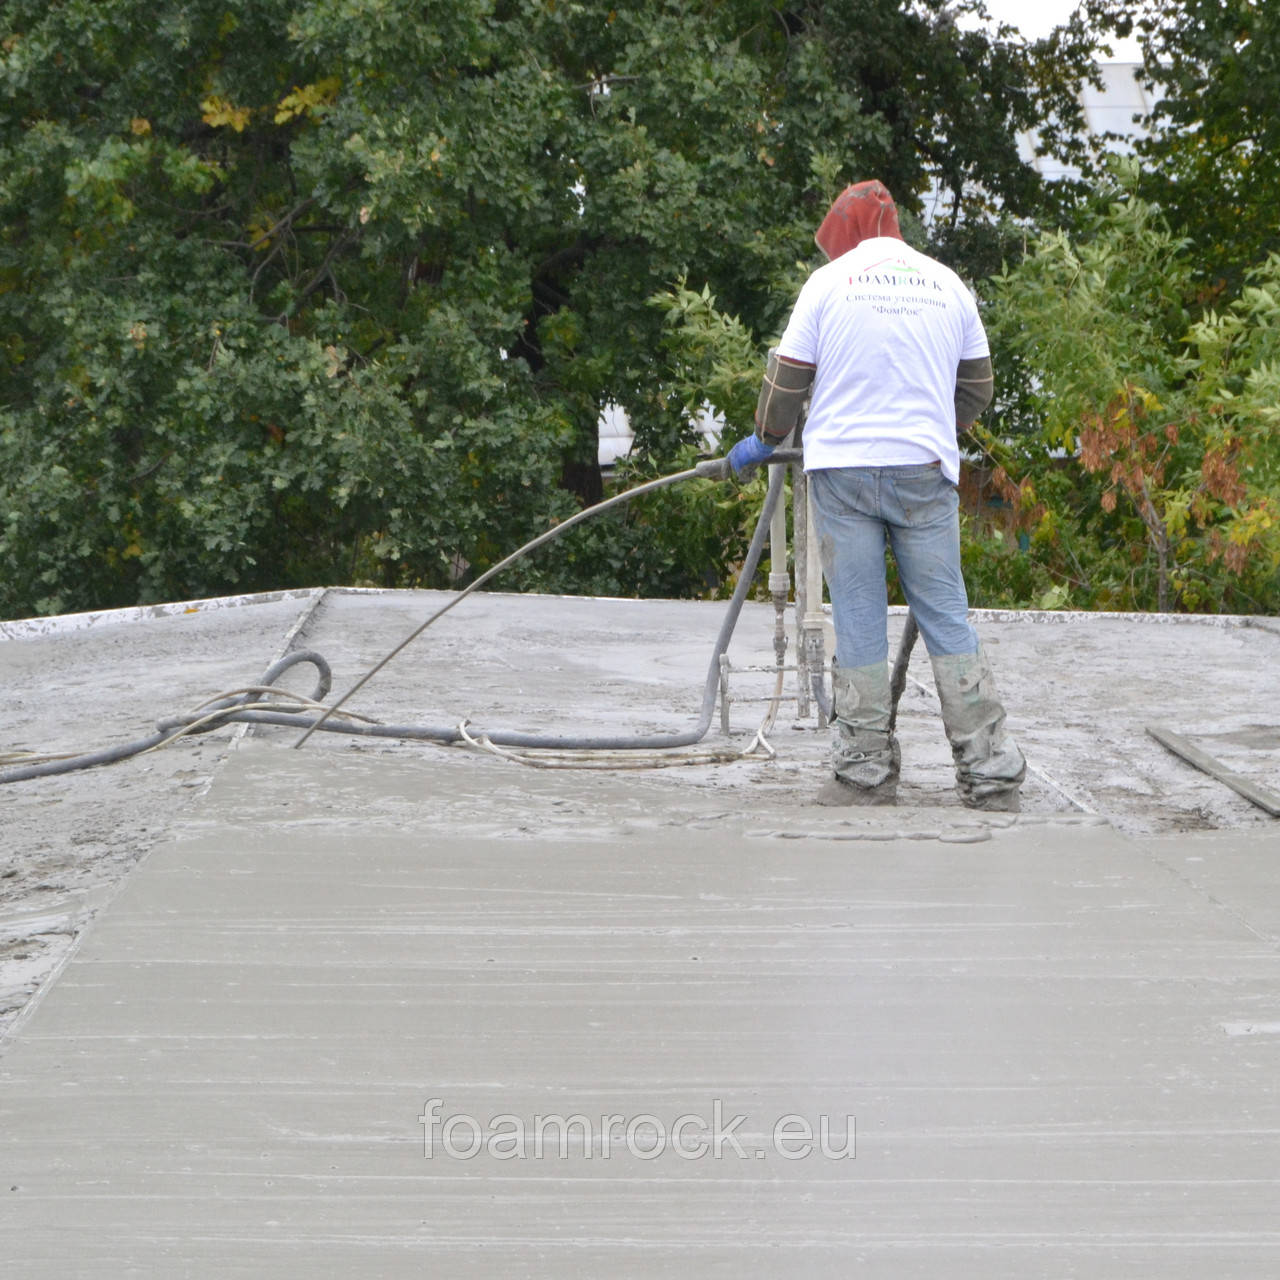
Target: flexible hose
pixel 167 729
pixel 639 742
pixel 513 738
pixel 243 709
pixel 818 689
pixel 563 527
pixel 898 678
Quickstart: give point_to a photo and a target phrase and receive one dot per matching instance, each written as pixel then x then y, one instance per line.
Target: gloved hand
pixel 747 455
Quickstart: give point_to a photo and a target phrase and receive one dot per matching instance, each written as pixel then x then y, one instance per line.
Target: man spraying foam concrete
pixel 887 346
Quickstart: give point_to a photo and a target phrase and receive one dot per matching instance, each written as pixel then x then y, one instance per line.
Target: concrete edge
pixel 69 623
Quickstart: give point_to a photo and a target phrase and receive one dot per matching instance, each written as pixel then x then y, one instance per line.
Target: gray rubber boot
pixel 864 755
pixel 989 766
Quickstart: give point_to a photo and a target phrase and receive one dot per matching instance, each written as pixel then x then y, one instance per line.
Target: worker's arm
pixel 782 396
pixel 974 388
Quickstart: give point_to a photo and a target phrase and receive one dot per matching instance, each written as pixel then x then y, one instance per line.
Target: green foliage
pixel 1154 480
pixel 681 540
pixel 335 290
pixel 1213 159
pixel 713 359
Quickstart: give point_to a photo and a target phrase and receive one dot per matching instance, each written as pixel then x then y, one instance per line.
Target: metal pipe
pixel 812 625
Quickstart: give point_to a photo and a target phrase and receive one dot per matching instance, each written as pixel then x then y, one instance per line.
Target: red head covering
pixel 861 211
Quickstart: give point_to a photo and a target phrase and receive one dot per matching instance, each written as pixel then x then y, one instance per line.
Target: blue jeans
pixel 915 510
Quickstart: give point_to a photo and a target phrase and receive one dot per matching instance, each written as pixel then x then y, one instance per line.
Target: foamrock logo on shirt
pixel 896 273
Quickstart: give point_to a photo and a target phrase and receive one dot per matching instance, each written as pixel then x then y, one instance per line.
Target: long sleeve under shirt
pixel 886 328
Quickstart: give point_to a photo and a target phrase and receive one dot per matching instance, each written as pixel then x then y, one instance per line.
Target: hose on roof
pixel 253 705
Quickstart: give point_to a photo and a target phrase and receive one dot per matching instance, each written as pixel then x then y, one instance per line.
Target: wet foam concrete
pixel 1058 1035
pixel 1038 1046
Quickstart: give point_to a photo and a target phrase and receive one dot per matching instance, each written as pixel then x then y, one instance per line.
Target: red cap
pixel 861 211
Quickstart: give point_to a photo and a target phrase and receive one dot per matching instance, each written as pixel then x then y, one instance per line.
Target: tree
pixel 1212 161
pixel 336 290
pixel 1155 478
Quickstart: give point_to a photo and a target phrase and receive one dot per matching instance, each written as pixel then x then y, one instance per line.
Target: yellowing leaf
pixel 259 237
pixel 310 99
pixel 218 113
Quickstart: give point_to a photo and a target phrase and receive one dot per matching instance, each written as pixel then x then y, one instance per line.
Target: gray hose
pixel 818 688
pixel 639 742
pixel 174 726
pixel 898 679
pixel 108 755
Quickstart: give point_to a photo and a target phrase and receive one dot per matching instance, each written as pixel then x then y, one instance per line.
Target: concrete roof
pixel 237 975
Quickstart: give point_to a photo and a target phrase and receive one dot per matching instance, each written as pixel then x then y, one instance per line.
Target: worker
pixel 887 347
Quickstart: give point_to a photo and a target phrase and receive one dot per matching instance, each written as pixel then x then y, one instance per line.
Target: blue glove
pixel 747 455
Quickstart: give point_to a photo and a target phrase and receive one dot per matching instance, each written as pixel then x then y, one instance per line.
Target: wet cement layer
pixel 1039 1047
pixel 1058 1037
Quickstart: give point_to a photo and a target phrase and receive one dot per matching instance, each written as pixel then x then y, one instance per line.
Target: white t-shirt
pixel 886 328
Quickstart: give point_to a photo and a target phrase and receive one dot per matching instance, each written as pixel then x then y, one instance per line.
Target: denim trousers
pixel 914 511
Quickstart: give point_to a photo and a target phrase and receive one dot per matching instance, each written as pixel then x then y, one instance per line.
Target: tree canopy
pixel 1154 478
pixel 335 290
pixel 1212 158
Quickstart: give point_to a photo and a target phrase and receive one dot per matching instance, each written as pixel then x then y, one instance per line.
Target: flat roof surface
pixel 246 984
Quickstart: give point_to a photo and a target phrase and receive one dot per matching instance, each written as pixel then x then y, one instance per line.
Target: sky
pixel 1033 18
pixel 1036 18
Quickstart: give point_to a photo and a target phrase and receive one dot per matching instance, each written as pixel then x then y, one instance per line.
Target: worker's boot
pixel 864 754
pixel 989 766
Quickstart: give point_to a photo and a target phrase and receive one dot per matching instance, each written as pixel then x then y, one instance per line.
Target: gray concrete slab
pixel 1060 1044
pixel 1059 1036
pixel 80 683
